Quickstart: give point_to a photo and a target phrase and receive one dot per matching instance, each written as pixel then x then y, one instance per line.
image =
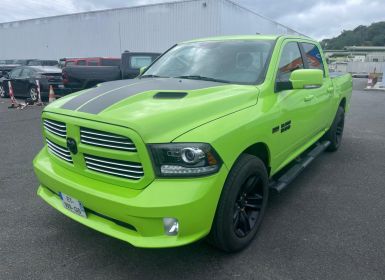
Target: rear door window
pixel 313 58
pixel 81 62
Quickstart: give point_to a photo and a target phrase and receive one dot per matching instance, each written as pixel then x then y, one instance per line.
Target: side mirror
pixel 306 78
pixel 142 70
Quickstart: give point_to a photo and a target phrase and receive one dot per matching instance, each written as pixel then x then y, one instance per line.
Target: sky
pixel 318 19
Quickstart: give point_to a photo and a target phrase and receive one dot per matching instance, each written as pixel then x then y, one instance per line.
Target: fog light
pixel 171 226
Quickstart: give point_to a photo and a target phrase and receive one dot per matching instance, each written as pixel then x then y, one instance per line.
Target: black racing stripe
pixel 79 100
pixel 103 102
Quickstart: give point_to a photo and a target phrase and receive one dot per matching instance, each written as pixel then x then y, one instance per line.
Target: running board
pixel 301 163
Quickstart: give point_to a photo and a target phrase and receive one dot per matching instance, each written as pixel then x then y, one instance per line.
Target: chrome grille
pixel 114 167
pixel 106 140
pixel 55 127
pixel 59 151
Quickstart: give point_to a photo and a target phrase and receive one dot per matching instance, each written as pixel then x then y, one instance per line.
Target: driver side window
pixel 290 60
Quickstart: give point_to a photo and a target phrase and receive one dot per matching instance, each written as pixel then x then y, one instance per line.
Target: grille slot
pixel 106 140
pixel 59 151
pixel 57 128
pixel 114 167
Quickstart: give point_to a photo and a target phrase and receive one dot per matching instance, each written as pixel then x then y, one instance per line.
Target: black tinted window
pixel 81 62
pixel 312 56
pixel 93 63
pixel 290 60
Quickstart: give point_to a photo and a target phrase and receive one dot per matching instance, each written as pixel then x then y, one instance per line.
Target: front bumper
pixel 110 208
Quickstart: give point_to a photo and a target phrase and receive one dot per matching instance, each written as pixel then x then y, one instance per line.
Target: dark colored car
pixel 9 64
pixel 24 78
pixel 81 77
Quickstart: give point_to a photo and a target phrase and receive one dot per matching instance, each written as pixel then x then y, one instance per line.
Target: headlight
pixel 184 159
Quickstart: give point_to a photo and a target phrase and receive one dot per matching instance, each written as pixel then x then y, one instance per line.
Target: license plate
pixel 60 86
pixel 72 204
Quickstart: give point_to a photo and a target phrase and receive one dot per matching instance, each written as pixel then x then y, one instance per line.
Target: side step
pixel 301 163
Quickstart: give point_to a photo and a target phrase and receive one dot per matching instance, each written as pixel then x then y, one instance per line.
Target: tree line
pixel 372 35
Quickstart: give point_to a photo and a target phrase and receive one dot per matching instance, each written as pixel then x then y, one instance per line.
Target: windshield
pixel 238 62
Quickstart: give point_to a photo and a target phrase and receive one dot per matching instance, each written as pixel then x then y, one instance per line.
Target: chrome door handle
pixel 309 98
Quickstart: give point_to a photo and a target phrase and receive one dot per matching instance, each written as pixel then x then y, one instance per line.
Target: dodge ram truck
pixel 192 147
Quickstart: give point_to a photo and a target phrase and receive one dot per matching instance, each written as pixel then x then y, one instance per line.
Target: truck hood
pixel 159 109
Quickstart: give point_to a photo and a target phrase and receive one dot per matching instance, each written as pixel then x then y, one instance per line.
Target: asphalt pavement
pixel 329 224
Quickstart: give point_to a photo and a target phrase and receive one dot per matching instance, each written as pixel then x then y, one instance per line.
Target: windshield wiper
pixel 203 78
pixel 153 76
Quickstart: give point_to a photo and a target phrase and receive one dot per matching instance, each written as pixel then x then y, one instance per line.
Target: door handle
pixel 330 90
pixel 309 98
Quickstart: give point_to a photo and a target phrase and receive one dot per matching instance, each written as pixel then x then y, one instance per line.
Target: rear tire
pixel 334 134
pixel 241 206
pixel 33 93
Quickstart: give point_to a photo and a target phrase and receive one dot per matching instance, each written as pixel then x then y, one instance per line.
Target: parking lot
pixel 329 224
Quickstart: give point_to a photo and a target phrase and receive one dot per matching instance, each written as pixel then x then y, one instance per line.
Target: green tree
pixel 373 35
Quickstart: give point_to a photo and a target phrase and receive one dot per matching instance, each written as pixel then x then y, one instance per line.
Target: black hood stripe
pixel 97 102
pixel 91 94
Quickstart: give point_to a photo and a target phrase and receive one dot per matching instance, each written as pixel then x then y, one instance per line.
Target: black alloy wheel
pixel 248 206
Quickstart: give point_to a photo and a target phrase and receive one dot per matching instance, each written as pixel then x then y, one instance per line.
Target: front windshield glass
pixel 233 61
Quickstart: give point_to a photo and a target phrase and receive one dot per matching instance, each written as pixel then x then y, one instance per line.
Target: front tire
pixel 334 134
pixel 241 206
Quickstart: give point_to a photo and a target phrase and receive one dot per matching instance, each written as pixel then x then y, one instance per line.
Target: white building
pixel 144 28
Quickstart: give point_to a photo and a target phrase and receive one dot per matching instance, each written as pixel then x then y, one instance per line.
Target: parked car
pixel 23 80
pixel 6 68
pixel 192 147
pixel 77 78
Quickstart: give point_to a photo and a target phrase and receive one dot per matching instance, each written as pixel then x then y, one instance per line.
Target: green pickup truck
pixel 192 147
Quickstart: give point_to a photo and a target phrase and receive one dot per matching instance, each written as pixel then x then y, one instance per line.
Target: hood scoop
pixel 169 95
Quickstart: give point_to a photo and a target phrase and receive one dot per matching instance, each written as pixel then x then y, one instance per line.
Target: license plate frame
pixel 73 205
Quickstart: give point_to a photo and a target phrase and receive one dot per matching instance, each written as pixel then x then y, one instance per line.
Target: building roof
pixel 149 5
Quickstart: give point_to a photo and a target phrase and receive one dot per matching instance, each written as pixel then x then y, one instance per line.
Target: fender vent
pixel 170 95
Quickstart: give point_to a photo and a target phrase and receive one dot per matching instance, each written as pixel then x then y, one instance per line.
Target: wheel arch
pixel 343 103
pixel 260 150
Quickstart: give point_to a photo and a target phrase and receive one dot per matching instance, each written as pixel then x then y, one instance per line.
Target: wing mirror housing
pixel 306 78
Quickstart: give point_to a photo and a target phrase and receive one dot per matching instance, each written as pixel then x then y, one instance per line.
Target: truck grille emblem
pixel 71 145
